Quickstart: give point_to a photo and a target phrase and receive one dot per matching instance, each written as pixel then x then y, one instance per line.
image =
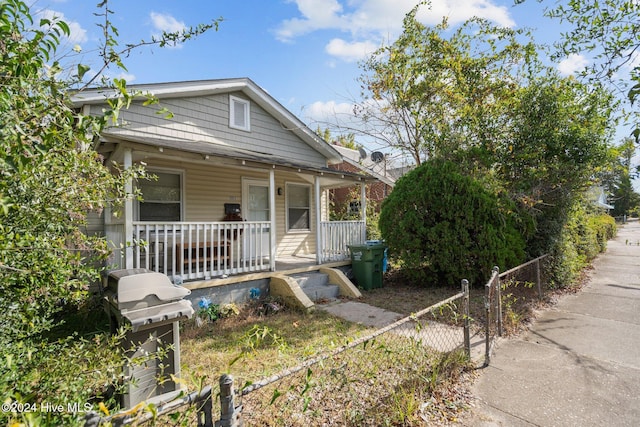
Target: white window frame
pixel 288 185
pixel 246 182
pixel 246 106
pixel 179 172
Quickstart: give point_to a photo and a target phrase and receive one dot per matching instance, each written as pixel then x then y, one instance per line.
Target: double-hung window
pixel 162 198
pixel 298 207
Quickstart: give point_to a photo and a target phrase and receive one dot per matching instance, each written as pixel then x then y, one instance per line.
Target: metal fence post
pixel 204 414
pixel 465 311
pixel 91 419
pixel 229 417
pixel 496 272
pixel 487 326
pixel 538 278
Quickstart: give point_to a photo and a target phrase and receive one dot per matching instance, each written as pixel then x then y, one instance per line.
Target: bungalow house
pixel 241 184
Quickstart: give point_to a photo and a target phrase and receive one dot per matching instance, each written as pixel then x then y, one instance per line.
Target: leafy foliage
pixel 583 235
pixel 50 179
pixel 560 131
pixel 347 140
pixel 618 180
pixel 480 97
pixel 609 30
pixel 445 226
pixel 436 90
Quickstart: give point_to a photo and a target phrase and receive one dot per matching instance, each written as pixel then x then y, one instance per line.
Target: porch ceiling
pixel 206 151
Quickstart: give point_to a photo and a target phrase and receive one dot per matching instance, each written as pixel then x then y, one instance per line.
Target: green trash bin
pixel 367 263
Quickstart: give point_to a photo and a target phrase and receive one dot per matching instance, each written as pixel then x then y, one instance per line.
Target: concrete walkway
pixel 579 364
pixel 435 335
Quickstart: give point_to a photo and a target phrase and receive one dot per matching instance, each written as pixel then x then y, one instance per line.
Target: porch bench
pixel 201 253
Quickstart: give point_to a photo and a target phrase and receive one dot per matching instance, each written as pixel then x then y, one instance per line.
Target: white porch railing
pixel 337 236
pixel 195 250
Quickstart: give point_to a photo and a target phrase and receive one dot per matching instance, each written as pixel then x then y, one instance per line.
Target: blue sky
pixel 305 53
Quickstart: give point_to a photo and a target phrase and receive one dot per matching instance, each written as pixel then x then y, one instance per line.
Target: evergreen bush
pixel 442 226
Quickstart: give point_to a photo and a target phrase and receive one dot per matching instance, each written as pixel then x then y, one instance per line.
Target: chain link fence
pixel 386 377
pixel 389 376
pixel 504 292
pixel 383 378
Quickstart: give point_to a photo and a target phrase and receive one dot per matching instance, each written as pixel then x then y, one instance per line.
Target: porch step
pixel 316 286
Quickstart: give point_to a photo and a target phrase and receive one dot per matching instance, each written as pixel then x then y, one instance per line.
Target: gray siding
pixel 95 223
pixel 206 119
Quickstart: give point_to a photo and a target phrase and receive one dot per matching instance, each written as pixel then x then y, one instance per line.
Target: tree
pixel 609 29
pixel 50 179
pixel 346 140
pixel 559 137
pixel 429 95
pixel 619 183
pixel 482 99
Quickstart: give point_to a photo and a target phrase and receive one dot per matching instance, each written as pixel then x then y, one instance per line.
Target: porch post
pixel 128 212
pixel 363 208
pixel 272 218
pixel 318 221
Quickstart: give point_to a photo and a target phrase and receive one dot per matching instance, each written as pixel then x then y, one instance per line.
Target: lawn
pixel 260 342
pixel 395 373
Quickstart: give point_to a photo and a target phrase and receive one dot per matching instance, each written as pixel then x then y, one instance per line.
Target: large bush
pixel 442 226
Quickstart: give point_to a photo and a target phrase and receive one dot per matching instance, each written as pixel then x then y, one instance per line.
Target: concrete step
pixel 311 279
pixel 316 286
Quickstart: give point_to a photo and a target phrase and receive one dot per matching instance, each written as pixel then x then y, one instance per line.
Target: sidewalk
pixel 579 364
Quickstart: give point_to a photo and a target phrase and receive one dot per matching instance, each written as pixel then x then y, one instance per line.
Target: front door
pixel 255 207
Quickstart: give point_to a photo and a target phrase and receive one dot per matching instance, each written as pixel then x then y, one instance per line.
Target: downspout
pixel 319 257
pixel 363 207
pixel 128 211
pixel 272 218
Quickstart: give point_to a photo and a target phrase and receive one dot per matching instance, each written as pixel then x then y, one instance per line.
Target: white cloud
pixel 316 15
pixel 572 64
pixel 166 23
pixel 350 52
pixel 327 112
pixel 77 34
pixel 373 21
pixel 458 11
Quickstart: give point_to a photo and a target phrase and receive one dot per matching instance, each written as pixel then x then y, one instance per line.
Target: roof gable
pixel 244 86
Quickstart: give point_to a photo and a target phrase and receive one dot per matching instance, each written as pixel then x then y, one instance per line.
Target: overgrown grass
pixel 253 345
pixel 391 380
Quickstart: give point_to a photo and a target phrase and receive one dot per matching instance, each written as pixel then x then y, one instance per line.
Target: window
pixel 298 207
pixel 239 113
pixel 354 207
pixel 162 198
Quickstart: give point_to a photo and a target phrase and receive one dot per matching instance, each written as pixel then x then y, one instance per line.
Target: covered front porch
pixel 265 236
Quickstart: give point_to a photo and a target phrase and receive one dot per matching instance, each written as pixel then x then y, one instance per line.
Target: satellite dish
pixel 377 157
pixel 363 154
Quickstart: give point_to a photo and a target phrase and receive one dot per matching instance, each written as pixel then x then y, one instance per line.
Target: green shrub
pixel 62 369
pixel 581 239
pixel 443 226
pixel 605 228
